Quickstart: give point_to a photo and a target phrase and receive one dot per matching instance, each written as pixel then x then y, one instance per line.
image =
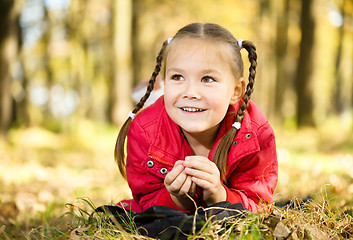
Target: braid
pixel 250 87
pixel 221 154
pixel 119 153
pixel 152 80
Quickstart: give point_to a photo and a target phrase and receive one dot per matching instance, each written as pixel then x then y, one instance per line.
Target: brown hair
pixel 119 153
pixel 221 154
pixel 214 33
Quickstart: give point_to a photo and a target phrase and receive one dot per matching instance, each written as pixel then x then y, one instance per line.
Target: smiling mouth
pixel 188 109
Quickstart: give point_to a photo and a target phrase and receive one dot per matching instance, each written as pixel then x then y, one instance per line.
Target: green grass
pixel 311 220
pixel 51 182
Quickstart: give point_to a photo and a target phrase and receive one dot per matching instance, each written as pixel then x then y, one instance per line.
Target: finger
pixel 192 190
pixel 200 163
pixel 201 183
pixel 186 185
pixel 197 158
pixel 200 174
pixel 179 162
pixel 178 182
pixel 172 175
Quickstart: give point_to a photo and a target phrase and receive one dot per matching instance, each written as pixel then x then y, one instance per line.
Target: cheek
pixel 224 94
pixel 167 94
pixel 171 92
pixel 222 108
pixel 221 102
pixel 169 98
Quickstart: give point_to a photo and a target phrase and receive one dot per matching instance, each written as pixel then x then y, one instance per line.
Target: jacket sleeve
pixel 146 183
pixel 254 180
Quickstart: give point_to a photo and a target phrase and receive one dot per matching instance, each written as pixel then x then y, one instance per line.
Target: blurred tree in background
pixel 9 50
pixel 304 87
pixel 62 61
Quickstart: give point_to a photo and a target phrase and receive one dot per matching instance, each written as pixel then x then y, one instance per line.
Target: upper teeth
pixel 192 109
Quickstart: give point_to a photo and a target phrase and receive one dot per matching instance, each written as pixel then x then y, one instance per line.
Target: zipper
pixel 160 160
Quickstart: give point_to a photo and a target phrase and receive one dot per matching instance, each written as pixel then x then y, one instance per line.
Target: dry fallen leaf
pixel 315 232
pixel 8 211
pixel 2 229
pixel 78 233
pixel 281 231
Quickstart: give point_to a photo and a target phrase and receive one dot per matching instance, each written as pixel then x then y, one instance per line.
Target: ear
pixel 238 91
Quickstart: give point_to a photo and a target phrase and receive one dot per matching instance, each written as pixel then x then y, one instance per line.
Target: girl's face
pixel 199 85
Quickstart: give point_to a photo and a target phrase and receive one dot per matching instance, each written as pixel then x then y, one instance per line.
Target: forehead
pixel 209 49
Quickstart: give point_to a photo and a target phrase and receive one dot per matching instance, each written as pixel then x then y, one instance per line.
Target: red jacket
pixel 155 143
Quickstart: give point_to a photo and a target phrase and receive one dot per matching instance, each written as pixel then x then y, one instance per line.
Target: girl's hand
pixel 178 184
pixel 205 174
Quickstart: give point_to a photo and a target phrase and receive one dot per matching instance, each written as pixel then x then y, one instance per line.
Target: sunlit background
pixel 69 68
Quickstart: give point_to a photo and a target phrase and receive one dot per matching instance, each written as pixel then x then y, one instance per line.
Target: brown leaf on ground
pixel 315 233
pixel 79 233
pixel 2 229
pixel 281 231
pixel 8 212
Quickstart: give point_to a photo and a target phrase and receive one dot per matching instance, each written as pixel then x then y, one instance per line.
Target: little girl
pixel 204 141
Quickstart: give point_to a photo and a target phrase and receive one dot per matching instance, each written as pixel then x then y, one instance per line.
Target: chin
pixel 193 129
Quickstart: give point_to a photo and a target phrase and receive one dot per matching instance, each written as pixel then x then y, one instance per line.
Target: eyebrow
pixel 174 70
pixel 205 71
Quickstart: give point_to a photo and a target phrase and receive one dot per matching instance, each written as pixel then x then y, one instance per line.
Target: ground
pixel 45 176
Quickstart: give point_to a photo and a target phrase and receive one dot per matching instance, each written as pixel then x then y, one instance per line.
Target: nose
pixel 191 90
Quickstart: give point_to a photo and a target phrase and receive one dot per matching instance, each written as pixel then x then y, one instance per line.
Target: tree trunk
pixel 339 101
pixel 136 51
pixel 120 95
pixel 304 88
pixel 282 76
pixel 264 85
pixel 9 44
pixel 81 66
pixel 46 38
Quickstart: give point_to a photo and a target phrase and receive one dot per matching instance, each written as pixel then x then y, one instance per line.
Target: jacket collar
pixel 169 144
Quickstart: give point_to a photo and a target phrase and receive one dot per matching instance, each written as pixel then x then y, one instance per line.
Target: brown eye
pixel 177 77
pixel 207 79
